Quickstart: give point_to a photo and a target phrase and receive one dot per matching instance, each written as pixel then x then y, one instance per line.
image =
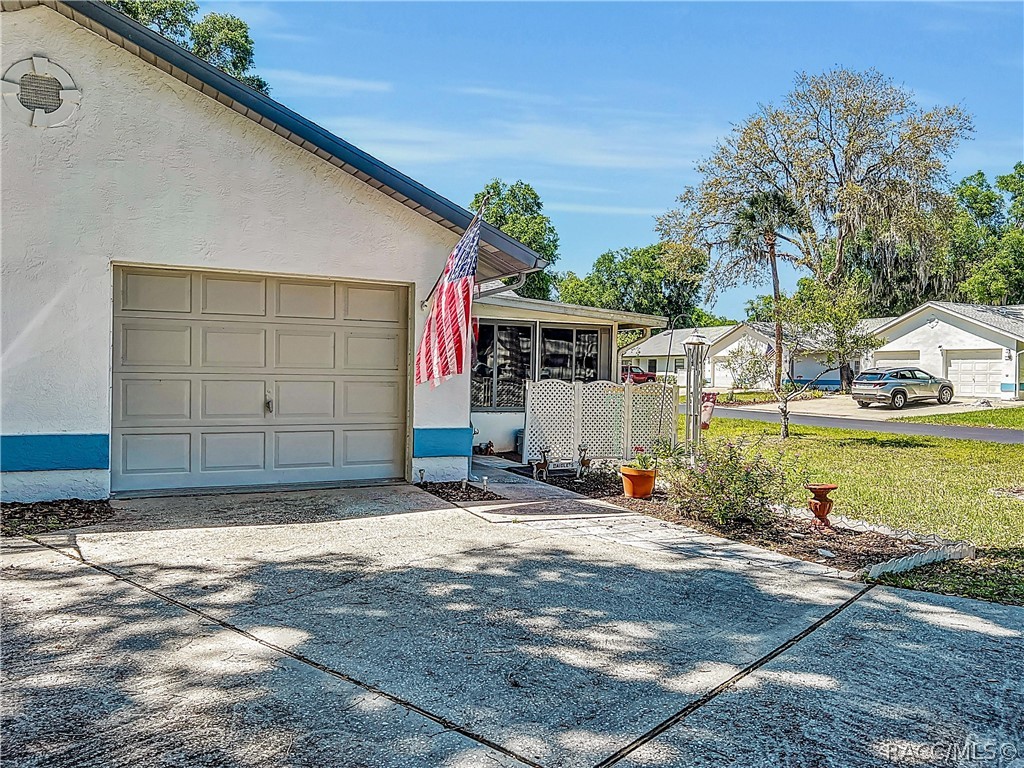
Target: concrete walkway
pixel 384 627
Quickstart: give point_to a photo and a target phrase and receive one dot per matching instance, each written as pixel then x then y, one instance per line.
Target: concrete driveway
pixel 383 627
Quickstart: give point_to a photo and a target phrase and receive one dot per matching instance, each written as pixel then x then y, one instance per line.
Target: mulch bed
pixel 454 492
pixel 852 550
pixel 18 519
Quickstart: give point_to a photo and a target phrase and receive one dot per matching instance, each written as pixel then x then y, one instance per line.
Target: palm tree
pixel 758 225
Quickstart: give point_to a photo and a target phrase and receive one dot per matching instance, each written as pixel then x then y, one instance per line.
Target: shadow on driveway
pixel 538 649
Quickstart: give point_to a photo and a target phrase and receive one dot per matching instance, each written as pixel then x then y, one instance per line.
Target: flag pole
pixel 477 215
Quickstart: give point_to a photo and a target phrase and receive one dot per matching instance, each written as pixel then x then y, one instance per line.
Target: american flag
pixel 442 350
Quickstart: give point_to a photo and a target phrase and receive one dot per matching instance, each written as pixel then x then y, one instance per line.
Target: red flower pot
pixel 637 483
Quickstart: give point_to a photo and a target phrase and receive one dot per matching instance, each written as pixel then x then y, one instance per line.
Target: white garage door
pixel 897 358
pixel 975 372
pixel 228 380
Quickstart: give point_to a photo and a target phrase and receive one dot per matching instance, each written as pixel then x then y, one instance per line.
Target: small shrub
pixel 731 483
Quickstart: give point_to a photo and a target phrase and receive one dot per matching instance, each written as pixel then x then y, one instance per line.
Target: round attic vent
pixel 41 92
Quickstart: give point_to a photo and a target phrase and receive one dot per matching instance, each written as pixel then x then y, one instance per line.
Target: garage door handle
pixel 270 405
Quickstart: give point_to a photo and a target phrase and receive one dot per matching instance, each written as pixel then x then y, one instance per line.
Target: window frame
pixel 496 324
pixel 603 344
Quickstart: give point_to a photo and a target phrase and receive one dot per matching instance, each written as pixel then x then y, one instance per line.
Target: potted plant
pixel 638 476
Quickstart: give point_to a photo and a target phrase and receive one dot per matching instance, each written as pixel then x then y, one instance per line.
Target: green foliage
pixel 921 483
pixel 221 38
pixel 986 238
pixel 733 482
pixel 748 367
pixel 854 153
pixel 828 317
pixel 701 318
pixel 516 209
pixel 642 460
pixel 635 280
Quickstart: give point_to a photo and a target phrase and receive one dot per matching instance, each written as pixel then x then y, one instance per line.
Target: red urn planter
pixel 637 483
pixel 820 504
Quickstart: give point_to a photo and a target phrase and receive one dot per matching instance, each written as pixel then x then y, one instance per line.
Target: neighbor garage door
pixel 975 372
pixel 229 380
pixel 897 358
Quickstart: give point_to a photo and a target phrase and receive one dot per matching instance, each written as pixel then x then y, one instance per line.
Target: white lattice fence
pixel 652 416
pixel 550 407
pixel 609 419
pixel 602 419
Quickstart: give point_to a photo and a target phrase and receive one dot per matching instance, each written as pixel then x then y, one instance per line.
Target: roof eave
pixel 625 320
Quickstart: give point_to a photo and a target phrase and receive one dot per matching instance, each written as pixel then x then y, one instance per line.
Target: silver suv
pixel 898 386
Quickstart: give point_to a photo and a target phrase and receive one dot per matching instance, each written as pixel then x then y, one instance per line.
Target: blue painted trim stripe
pixel 36 453
pixel 443 441
pixel 161 47
pixel 1006 386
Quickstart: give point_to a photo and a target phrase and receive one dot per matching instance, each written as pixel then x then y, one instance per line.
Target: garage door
pixel 896 358
pixel 975 372
pixel 233 380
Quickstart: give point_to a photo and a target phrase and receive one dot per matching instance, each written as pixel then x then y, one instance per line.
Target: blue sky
pixel 605 107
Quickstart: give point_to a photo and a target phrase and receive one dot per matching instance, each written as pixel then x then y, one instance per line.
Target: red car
pixel 636 374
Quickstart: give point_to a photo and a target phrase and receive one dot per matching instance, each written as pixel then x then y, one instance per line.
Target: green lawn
pixel 1000 418
pixel 924 484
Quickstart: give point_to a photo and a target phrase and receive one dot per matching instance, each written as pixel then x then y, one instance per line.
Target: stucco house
pixel 203 289
pixel 979 348
pixel 200 287
pixel 655 356
pixel 520 339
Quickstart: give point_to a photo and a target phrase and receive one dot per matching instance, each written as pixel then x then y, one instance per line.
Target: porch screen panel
pixel 512 359
pixel 482 378
pixel 556 350
pixel 586 355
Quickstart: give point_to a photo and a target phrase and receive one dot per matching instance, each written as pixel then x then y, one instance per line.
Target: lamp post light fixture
pixel 696 345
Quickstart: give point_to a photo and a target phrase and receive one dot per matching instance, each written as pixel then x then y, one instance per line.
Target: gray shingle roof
pixel 1009 319
pixel 657 346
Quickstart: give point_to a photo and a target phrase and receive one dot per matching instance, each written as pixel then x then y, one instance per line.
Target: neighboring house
pixel 523 339
pixel 979 348
pixel 655 356
pixel 800 362
pixel 201 288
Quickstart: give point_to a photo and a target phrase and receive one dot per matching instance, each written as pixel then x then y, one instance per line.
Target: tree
pixel 220 38
pixel 852 150
pixel 635 280
pixel 516 209
pixel 818 319
pixel 983 253
pixel 758 225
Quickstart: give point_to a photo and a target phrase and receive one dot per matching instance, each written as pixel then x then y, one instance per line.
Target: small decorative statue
pixel 541 467
pixel 584 466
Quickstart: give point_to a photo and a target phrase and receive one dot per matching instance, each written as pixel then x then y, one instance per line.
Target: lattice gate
pixel 612 420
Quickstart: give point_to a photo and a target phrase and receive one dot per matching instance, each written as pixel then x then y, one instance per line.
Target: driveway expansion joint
pixel 726 685
pixel 302 659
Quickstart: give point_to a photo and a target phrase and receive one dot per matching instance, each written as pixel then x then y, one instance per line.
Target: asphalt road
pixel 1009 436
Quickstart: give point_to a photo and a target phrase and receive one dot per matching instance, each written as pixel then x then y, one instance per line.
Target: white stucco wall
pixel 150 171
pixel 498 427
pixel 932 334
pixel 51 484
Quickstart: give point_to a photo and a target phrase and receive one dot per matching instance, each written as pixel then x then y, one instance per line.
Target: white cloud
pixel 624 145
pixel 293 81
pixel 501 94
pixel 607 210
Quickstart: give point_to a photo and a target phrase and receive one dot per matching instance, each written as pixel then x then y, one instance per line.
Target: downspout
pixel 519 283
pixel 645 334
